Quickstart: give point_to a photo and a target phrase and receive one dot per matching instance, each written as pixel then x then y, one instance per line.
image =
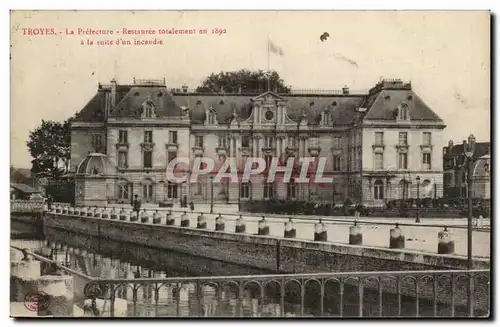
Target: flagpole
pixel 268 60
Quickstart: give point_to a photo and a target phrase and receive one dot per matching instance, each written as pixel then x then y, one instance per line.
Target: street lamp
pixel 212 194
pixel 469 153
pixel 418 200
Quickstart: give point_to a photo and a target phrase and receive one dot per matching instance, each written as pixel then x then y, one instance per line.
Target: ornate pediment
pixel 268 97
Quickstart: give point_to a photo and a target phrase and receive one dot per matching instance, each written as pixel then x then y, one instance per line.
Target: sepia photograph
pixel 250 164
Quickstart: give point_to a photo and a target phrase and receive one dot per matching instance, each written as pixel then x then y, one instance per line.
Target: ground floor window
pixel 148 192
pixel 378 190
pixel 172 191
pixel 268 190
pixel 245 190
pixel 291 190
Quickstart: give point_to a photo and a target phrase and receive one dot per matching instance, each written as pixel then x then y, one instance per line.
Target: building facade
pixel 375 144
pixel 455 171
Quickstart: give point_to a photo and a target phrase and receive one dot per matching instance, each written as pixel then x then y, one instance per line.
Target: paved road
pixel 417 238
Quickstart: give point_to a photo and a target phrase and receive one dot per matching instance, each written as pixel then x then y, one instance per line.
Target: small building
pixel 94 180
pixel 20 191
pixel 455 171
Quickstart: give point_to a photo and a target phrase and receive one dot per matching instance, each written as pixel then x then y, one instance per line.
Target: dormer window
pixel 403 112
pixel 326 118
pixel 148 109
pixel 211 117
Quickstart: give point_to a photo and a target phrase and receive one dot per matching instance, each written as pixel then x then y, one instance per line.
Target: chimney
pixel 345 90
pixel 184 89
pixel 113 93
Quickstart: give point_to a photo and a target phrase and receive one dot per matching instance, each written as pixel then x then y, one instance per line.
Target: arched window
pixel 245 190
pixel 378 190
pixel 147 191
pixel 426 189
pixel 268 190
pixel 291 189
pixel 403 189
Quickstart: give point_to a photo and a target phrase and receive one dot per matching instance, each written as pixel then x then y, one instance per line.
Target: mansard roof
pixel 94 109
pixel 379 104
pixel 223 105
pixel 131 104
pixel 382 105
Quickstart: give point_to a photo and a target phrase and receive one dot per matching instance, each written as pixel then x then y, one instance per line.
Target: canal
pixel 102 258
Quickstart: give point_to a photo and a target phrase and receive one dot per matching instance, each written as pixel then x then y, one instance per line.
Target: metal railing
pixel 429 293
pixel 407 293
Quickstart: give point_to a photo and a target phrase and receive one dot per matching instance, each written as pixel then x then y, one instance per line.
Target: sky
pixel 445 55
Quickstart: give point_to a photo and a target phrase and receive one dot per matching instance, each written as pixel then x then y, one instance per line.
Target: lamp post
pixel 418 200
pixel 469 153
pixel 212 194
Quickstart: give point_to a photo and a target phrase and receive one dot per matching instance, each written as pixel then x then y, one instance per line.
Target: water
pixel 119 260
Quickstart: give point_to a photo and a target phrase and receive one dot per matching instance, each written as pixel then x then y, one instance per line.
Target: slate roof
pixel 480 149
pixel 24 188
pixel 380 104
pixel 131 104
pixel 94 109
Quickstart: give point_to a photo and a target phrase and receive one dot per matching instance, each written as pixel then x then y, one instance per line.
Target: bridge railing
pixel 289 227
pixel 424 293
pixel 21 206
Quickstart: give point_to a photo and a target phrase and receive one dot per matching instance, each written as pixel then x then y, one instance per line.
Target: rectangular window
pixel 403 138
pixel 123 191
pixel 245 141
pixel 336 163
pixel 122 159
pixel 245 190
pixel 426 138
pixel 171 155
pixel 148 137
pixel 172 137
pixel 123 137
pixel 148 159
pixel 426 160
pixel 402 160
pixel 379 138
pixel 147 192
pixel 171 190
pixel 268 190
pixel 198 141
pixel 223 142
pixel 379 161
pixel 337 142
pixel 292 142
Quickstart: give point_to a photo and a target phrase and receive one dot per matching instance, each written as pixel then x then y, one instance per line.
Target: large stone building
pixel 375 144
pixel 455 171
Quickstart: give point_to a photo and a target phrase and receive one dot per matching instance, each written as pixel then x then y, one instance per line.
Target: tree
pixel 246 80
pixel 49 145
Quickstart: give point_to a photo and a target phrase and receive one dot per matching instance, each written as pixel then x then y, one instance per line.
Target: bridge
pixel 285 259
